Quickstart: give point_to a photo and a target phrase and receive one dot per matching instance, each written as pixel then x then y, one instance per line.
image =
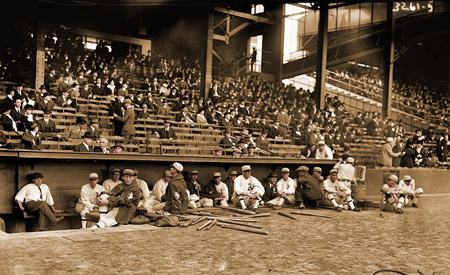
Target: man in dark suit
pixel 117 109
pixel 270 188
pixel 8 102
pixel 27 118
pixel 46 103
pixel 7 121
pixel 47 125
pixel 167 132
pixel 127 119
pixel 86 146
pixel 227 141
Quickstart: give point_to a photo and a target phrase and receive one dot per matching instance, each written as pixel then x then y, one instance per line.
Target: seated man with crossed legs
pixel 36 196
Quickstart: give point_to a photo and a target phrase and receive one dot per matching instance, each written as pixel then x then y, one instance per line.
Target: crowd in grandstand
pixel 248 109
pixel 410 95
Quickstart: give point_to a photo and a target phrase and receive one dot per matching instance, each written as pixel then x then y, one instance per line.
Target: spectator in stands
pixel 308 191
pixel 65 100
pixel 393 195
pixel 261 141
pixel 227 141
pixel 27 118
pixel 409 187
pixel 167 132
pixel 157 197
pixel 116 109
pixel 248 190
pixel 176 196
pixel 398 148
pixel 104 146
pixel 86 146
pixel 123 199
pixel 218 152
pixel 16 113
pixel 46 103
pixel 32 139
pixel 93 128
pixel 8 101
pixel 128 119
pixel 215 192
pixel 387 154
pixel 118 148
pixel 88 199
pixel 323 151
pixel 164 108
pixel 47 125
pixel 408 155
pixel 8 123
pixel 36 196
pixel 200 118
pixel 76 131
pixel 184 116
pixel 143 186
pixel 85 91
pixel 441 147
pixel 421 154
pixel 338 193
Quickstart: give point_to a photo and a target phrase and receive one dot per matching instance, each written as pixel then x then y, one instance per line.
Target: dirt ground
pixel 348 243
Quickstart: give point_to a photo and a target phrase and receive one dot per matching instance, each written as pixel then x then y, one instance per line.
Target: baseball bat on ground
pixel 287 215
pixel 214 222
pixel 242 228
pixel 239 223
pixel 242 211
pixel 204 225
pixel 311 215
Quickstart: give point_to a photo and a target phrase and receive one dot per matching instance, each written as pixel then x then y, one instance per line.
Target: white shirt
pixel 109 184
pixel 325 154
pixel 396 189
pixel 144 189
pixel 159 189
pixel 222 189
pixel 346 171
pixel 251 185
pixel 31 192
pixel 408 189
pixel 89 195
pixel 335 187
pixel 286 186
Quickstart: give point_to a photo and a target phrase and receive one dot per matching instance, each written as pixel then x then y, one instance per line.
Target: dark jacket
pixel 308 188
pixel 176 196
pixel 408 158
pixel 31 142
pixel 209 190
pixel 126 197
pixel 163 133
pixel 82 148
pixel 270 192
pixel 49 127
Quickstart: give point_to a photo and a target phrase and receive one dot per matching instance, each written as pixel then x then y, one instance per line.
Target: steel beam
pixel 389 52
pixel 255 18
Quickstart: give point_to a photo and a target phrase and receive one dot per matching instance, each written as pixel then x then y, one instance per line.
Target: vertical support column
pixel 278 43
pixel 208 58
pixel 322 47
pixel 388 62
pixel 40 57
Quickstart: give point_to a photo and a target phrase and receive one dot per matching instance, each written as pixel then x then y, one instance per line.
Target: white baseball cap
pixel 246 168
pixel 285 169
pixel 178 166
pixel 93 176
